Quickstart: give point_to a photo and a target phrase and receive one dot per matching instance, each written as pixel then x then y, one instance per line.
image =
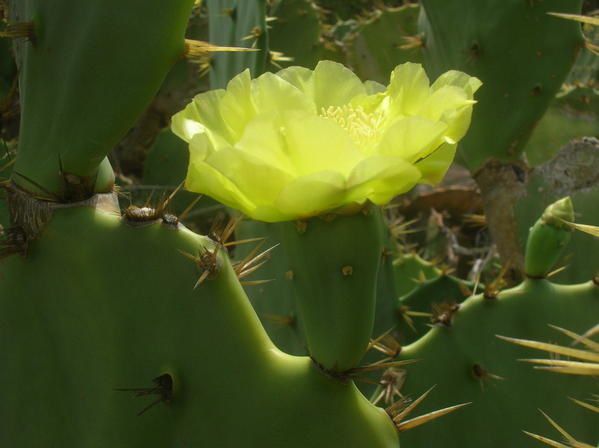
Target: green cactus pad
pixel 237 23
pixel 468 363
pixel 432 296
pixel 113 307
pixel 334 268
pixel 273 301
pixel 71 116
pixel 296 32
pixel 490 39
pixel 548 237
pixel 388 38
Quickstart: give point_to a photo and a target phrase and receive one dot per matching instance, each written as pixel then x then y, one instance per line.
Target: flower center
pixel 361 126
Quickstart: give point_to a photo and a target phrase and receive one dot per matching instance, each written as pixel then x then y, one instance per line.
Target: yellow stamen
pixel 361 126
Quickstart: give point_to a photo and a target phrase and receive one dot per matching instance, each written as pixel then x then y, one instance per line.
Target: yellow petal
pixel 300 77
pixel 203 178
pixel 319 144
pixel 412 138
pixel 450 105
pixel 205 108
pixel 469 84
pixel 262 137
pixel 373 87
pixel 434 167
pixel 335 85
pixel 272 94
pixel 237 105
pixel 380 178
pixel 408 89
pixel 196 117
pixel 313 194
pixel 257 178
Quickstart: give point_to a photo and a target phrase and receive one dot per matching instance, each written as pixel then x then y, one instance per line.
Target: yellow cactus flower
pixel 301 142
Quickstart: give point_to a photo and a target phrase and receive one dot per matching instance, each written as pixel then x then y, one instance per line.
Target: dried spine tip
pixel 398 415
pixel 255 33
pixel 20 30
pixel 206 261
pixel 444 313
pixel 412 42
pixel 347 271
pixel 200 51
pixel 275 57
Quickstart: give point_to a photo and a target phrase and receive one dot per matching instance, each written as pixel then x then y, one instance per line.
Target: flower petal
pixel 300 77
pixel 373 87
pixel 380 178
pixel 263 138
pixel 203 112
pixel 237 105
pixel 319 144
pixel 412 138
pixel 335 85
pixel 311 195
pixel 455 78
pixel 434 167
pixel 258 179
pixel 408 88
pixel 205 179
pixel 451 102
pixel 272 94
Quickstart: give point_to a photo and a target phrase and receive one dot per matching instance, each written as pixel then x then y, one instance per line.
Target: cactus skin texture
pixel 61 133
pixel 238 23
pixel 94 321
pixel 574 172
pixel 295 32
pixel 431 296
pixel 468 362
pixel 335 284
pixel 273 301
pixel 547 238
pixel 111 345
pixel 485 39
pixel 388 38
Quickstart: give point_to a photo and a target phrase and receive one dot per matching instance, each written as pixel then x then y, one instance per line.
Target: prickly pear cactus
pixel 483 38
pixel 237 23
pixel 386 38
pixel 110 332
pixel 151 335
pixel 465 357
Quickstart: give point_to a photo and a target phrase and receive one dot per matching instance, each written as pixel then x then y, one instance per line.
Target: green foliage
pixel 99 303
pixel 521 54
pixel 93 322
pixel 333 282
pixel 71 116
pixel 273 300
pixel 237 23
pixel 468 363
pixel 573 113
pixel 409 270
pixel 7 68
pixel 435 297
pixel 296 32
pixel 547 238
pixel 388 38
pixel 573 171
